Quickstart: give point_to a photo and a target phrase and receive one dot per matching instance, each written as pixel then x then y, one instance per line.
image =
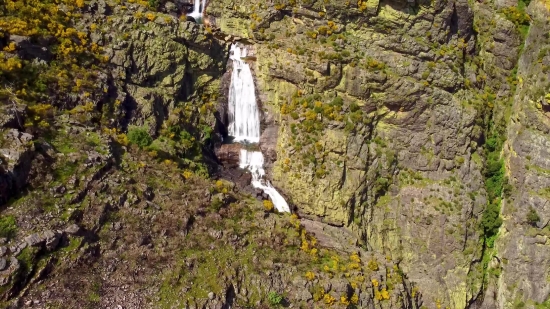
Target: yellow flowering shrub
pixel 268 205
pixel 329 299
pixel 310 275
pixel 70 48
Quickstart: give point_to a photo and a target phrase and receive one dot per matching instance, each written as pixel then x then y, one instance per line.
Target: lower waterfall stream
pixel 244 124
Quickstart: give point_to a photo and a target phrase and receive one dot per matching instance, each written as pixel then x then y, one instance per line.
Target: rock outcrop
pixel 16 155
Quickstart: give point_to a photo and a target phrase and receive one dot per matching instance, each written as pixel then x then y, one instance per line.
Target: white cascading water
pixel 254 162
pixel 198 10
pixel 244 125
pixel 244 119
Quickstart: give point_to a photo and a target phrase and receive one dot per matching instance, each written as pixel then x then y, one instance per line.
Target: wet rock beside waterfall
pixel 229 154
pixel 268 143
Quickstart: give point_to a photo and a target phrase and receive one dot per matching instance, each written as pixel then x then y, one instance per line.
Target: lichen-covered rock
pixel 15 162
pixel 376 129
pixel 522 250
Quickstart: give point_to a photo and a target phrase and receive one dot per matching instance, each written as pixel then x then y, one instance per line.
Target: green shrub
pixel 216 204
pixel 517 15
pixel 153 4
pixel 491 220
pixel 532 216
pixel 494 172
pixel 381 185
pixel 354 107
pixel 8 226
pixel 492 144
pixel 338 101
pixel 495 183
pixel 274 298
pixel 140 137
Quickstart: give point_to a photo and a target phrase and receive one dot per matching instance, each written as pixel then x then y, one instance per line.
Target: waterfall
pixel 198 10
pixel 254 161
pixel 244 119
pixel 244 125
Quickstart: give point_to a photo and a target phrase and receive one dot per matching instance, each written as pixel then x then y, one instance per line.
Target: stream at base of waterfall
pixel 244 124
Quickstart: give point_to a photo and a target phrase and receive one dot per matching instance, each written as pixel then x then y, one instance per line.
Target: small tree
pixel 140 137
pixel 532 217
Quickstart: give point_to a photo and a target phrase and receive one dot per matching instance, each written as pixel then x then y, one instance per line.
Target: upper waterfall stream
pixel 198 10
pixel 244 124
pixel 244 119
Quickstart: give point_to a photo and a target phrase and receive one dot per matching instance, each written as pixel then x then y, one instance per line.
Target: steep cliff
pixel 383 110
pixel 522 248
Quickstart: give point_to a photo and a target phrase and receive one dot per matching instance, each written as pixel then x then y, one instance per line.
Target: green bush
pixel 517 15
pixel 8 226
pixel 140 137
pixel 495 182
pixel 153 4
pixel 491 220
pixel 532 216
pixel 492 144
pixel 496 178
pixel 338 101
pixel 274 298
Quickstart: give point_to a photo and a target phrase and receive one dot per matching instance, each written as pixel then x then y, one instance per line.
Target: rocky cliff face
pixel 523 245
pixel 383 109
pixel 404 133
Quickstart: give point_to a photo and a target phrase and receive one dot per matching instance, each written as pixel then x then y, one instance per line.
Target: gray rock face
pixel 161 65
pixel 72 229
pixel 34 240
pixel 52 239
pixel 524 247
pixel 7 273
pixel 405 174
pixel 48 239
pixel 28 50
pixel 15 162
pixel 12 116
pixel 268 143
